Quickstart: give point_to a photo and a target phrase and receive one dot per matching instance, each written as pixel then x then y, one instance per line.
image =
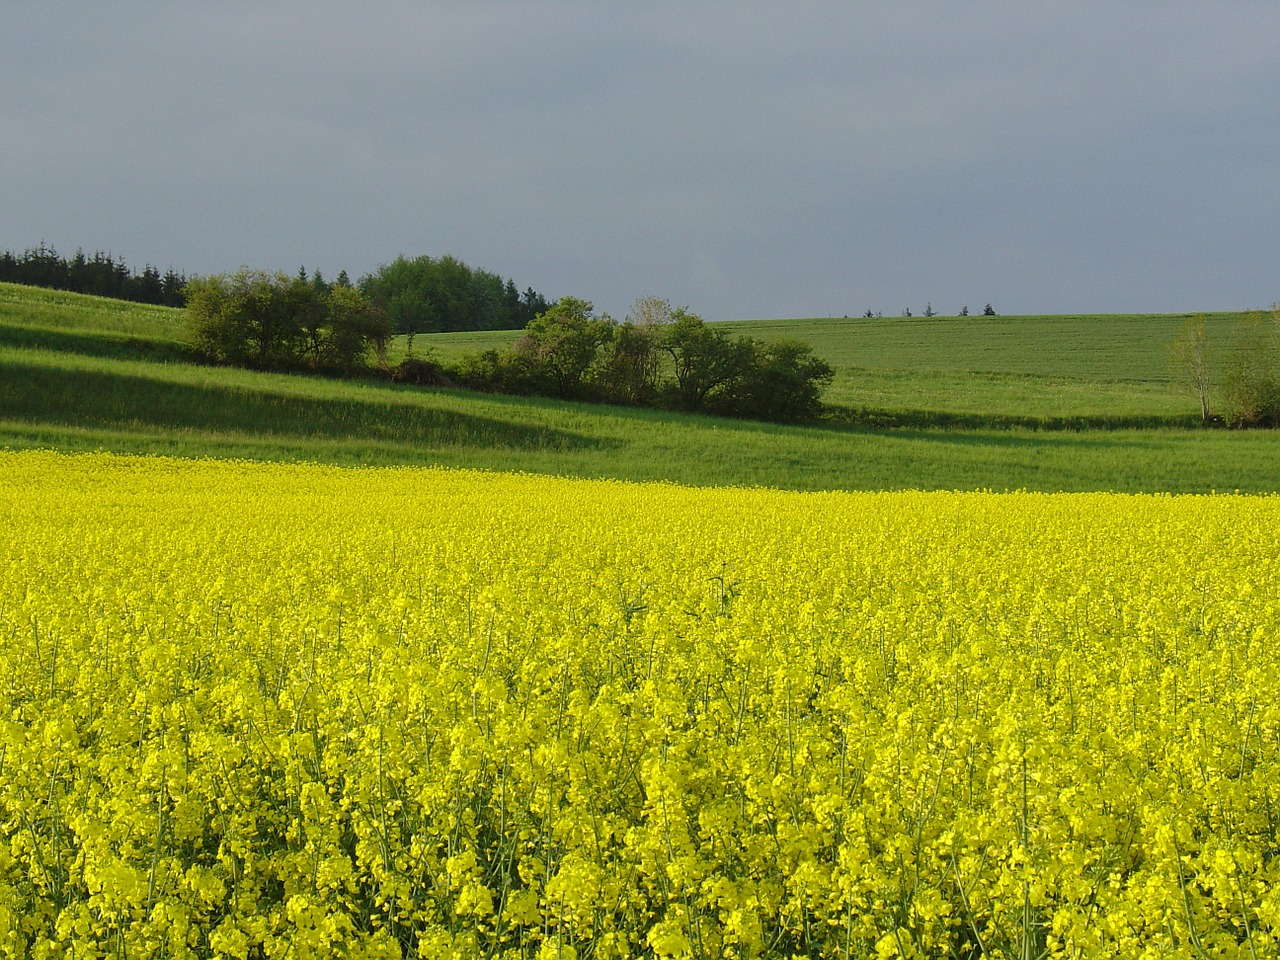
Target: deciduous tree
pixel 1251 384
pixel 1190 354
pixel 273 321
pixel 704 358
pixel 562 344
pixel 781 380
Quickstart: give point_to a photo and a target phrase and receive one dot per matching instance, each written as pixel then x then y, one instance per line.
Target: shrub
pixel 272 321
pixel 421 372
pixel 568 352
pixel 495 372
pixel 1251 384
pixel 628 371
pixel 782 380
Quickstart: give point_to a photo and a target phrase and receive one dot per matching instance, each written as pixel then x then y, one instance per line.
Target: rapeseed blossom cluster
pixel 270 711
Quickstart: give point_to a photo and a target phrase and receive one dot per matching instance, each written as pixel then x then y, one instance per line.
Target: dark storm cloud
pixel 747 159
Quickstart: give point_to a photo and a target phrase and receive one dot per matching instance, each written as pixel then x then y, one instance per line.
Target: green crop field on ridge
pixel 1008 370
pixel 82 373
pixel 1099 347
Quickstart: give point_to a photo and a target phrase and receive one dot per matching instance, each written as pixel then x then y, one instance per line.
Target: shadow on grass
pixel 112 346
pixel 862 418
pixel 93 398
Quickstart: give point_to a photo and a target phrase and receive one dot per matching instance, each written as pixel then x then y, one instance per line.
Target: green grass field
pixel 79 373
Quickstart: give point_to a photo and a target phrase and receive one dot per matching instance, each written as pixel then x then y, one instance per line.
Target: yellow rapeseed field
pixel 298 712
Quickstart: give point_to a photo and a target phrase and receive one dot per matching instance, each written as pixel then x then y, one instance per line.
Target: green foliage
pixel 1190 356
pixel 496 371
pixel 424 371
pixel 569 353
pixel 561 346
pixel 271 321
pixel 703 358
pixel 426 294
pixel 781 381
pixel 742 376
pixel 350 325
pixel 1251 385
pixel 238 318
pixel 628 373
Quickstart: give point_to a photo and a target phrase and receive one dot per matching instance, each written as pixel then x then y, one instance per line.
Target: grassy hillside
pixel 33 308
pixel 82 373
pixel 92 326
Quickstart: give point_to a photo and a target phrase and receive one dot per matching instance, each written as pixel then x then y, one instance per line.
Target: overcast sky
pixel 744 159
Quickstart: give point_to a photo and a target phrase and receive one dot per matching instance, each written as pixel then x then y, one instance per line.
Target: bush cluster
pixel 658 357
pixel 275 322
pixel 1251 384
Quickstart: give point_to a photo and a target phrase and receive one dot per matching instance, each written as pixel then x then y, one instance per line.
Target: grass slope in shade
pixel 70 402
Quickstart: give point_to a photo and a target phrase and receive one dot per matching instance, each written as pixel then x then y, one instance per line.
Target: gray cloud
pixel 746 159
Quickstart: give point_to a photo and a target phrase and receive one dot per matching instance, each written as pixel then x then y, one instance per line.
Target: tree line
pixel 100 274
pixel 657 357
pixel 419 294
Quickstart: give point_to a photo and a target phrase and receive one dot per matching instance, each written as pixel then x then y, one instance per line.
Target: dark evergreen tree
pixel 511 304
pixel 150 285
pixel 171 285
pixel 532 304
